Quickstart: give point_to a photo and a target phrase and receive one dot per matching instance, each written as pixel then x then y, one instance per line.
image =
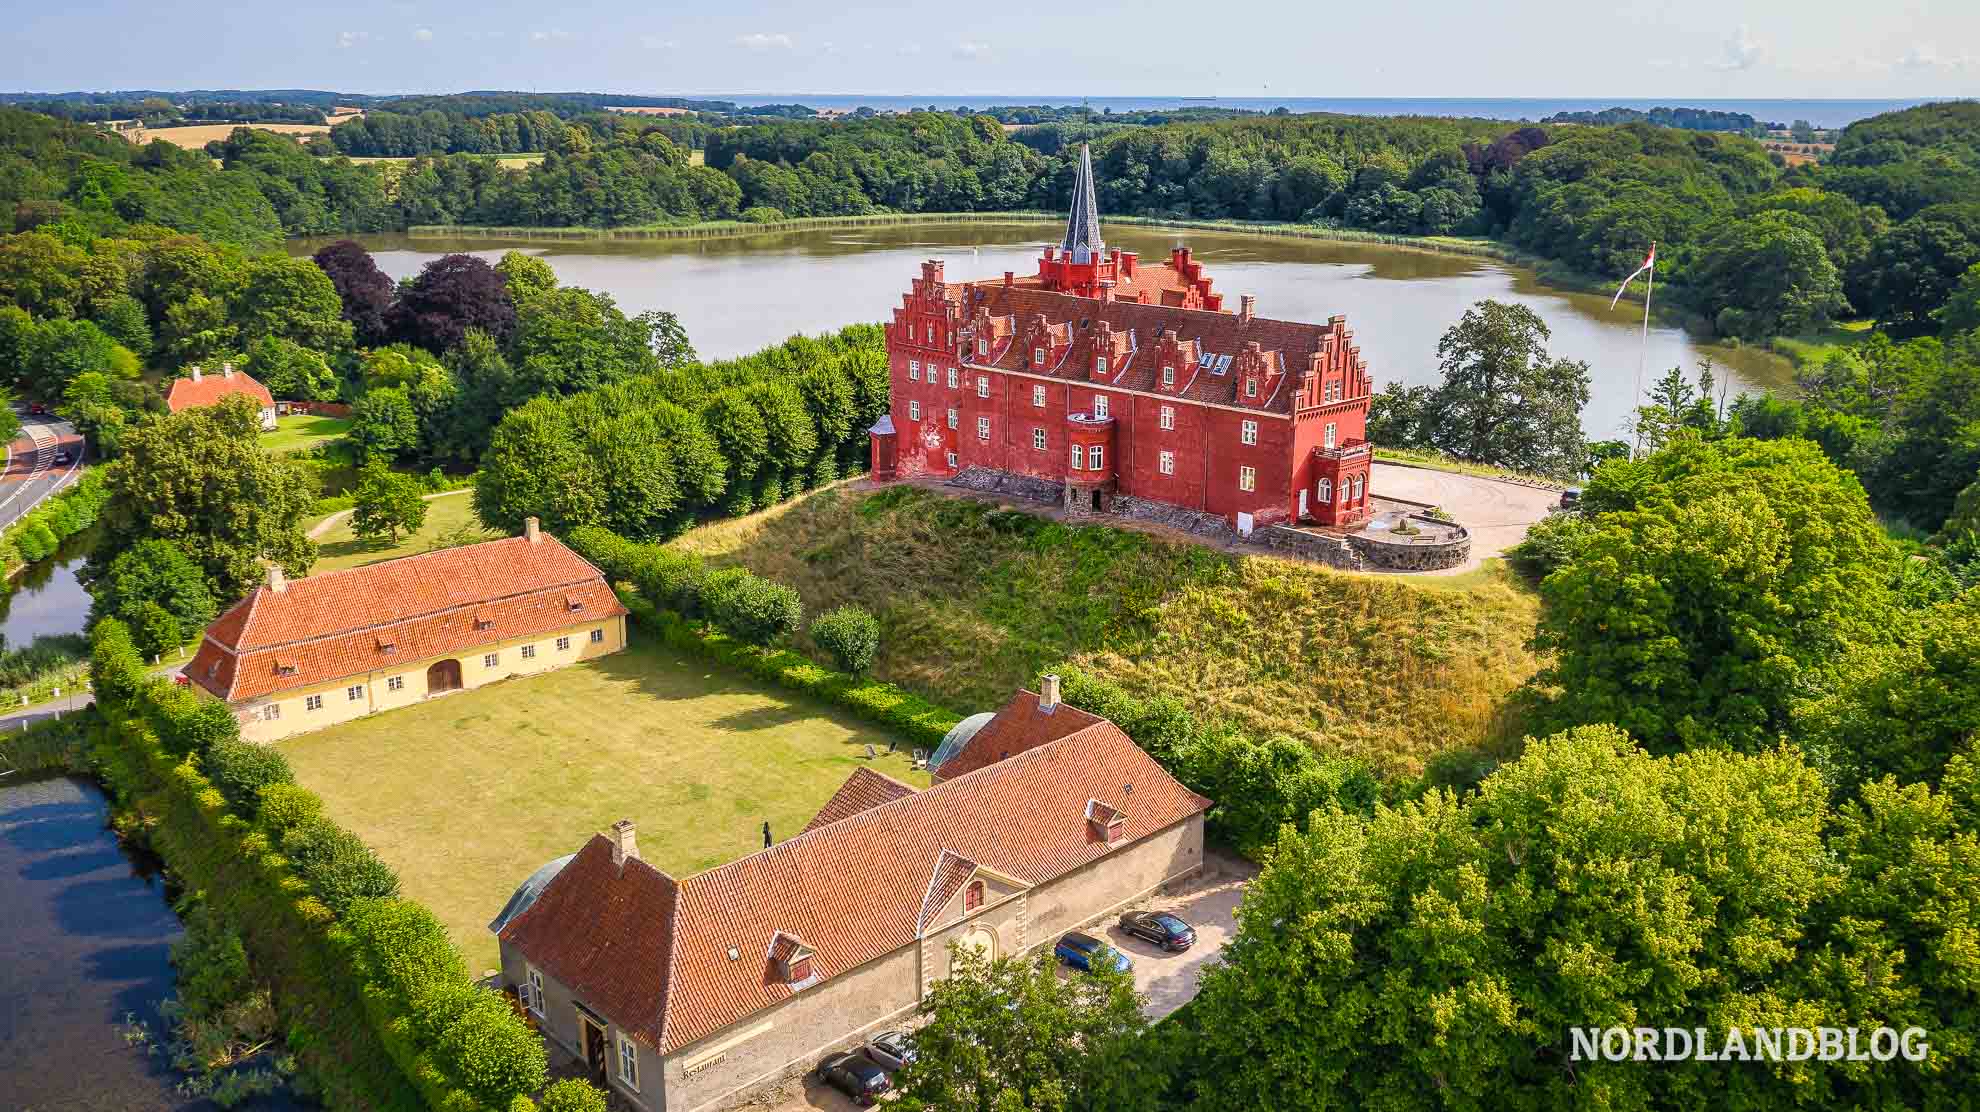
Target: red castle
pixel 1112 378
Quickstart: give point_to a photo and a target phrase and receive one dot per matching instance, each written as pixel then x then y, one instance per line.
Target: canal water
pixel 47 597
pixel 87 939
pixel 736 295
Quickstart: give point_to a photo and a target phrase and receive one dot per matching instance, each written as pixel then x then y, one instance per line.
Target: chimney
pixel 624 849
pixel 532 530
pixel 1048 692
pixel 196 375
pixel 1106 289
pixel 227 370
pixel 1010 277
pixel 277 582
pixel 1247 308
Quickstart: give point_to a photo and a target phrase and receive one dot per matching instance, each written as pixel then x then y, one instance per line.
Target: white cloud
pixel 657 42
pixel 424 34
pixel 761 41
pixel 972 51
pixel 348 39
pixel 552 36
pixel 1741 52
pixel 1927 58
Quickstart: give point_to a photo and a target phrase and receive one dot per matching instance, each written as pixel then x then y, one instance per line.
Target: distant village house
pixel 304 654
pixel 200 389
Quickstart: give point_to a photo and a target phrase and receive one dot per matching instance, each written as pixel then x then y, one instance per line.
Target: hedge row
pixel 42 530
pixel 909 717
pixel 50 745
pixel 378 1005
pixel 735 600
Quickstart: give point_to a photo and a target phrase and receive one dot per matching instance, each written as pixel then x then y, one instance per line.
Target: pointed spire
pixel 1083 227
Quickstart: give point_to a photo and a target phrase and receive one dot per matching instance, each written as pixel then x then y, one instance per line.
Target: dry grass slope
pixel 974 601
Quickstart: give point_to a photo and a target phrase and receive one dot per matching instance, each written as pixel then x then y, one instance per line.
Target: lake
pixel 736 295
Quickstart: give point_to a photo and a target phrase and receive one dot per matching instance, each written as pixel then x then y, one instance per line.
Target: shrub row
pixel 378 1004
pixel 42 530
pixel 908 717
pixel 1256 786
pixel 735 600
pixel 50 745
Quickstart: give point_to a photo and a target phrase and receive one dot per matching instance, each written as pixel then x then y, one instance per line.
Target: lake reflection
pixel 736 295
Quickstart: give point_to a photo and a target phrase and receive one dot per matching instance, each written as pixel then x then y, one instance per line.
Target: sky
pixel 1703 49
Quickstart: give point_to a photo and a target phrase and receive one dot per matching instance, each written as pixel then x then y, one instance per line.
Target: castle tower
pixel 1082 243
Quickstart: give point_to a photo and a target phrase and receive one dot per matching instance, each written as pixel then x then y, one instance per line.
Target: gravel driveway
pixel 1496 511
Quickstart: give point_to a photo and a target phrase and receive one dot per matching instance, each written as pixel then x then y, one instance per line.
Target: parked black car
pixel 1161 928
pixel 1570 499
pixel 855 1075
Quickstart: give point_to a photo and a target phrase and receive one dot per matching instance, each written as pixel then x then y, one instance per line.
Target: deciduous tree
pixel 387 503
pixel 1504 400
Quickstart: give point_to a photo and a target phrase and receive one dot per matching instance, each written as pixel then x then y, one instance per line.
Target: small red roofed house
pixel 201 389
pixel 694 992
pixel 304 654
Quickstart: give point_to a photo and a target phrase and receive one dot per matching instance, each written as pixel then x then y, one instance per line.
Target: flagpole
pixel 1642 354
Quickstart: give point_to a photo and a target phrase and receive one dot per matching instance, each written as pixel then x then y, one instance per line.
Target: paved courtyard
pixel 1497 511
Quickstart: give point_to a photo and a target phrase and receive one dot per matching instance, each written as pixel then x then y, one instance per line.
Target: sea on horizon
pixel 1821 113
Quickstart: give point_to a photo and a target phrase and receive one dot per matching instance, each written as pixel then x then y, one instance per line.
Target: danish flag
pixel 1649 264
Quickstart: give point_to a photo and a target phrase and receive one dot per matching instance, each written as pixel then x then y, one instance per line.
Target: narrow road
pixel 19 717
pixel 322 528
pixel 32 474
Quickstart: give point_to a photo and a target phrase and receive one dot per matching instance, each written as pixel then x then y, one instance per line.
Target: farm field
pixel 1392 670
pixel 197 136
pixel 450 520
pixel 468 794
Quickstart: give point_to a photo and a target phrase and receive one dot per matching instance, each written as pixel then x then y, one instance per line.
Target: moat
pixel 738 294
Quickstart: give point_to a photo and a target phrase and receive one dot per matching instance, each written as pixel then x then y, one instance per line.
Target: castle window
pixel 1247 478
pixel 1100 406
pixel 952 378
pixel 1038 356
pixel 1168 374
pixel 1168 417
pixel 952 416
pixel 1330 434
pixel 982 386
pixel 1078 457
pixel 982 347
pixel 951 458
pixel 914 369
pixel 1166 463
pixel 973 896
pixel 1250 387
pixel 1100 365
pixel 1344 492
pixel 1098 456
pixel 910 330
pixel 983 428
pixel 1357 488
pixel 914 410
pixel 1248 432
pixel 1325 490
pixel 1038 439
pixel 1038 396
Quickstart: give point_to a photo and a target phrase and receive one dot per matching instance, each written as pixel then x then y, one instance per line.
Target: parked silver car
pixel 892 1050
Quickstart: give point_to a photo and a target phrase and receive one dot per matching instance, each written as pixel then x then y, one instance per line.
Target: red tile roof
pixel 856 889
pixel 864 790
pixel 1020 726
pixel 1285 347
pixel 341 623
pixel 950 871
pixel 191 393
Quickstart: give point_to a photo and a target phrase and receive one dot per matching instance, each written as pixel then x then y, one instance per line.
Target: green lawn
pixel 300 433
pixel 450 520
pixel 467 794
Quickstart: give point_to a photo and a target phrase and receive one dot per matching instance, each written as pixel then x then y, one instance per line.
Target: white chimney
pixel 227 370
pixel 1048 693
pixel 277 582
pixel 532 530
pixel 624 849
pixel 196 372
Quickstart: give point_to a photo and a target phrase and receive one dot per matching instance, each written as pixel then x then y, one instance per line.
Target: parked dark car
pixel 856 1076
pixel 1161 928
pixel 64 457
pixel 1083 951
pixel 892 1050
pixel 37 409
pixel 1571 499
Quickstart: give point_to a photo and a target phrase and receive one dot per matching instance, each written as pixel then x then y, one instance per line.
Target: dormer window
pixel 1038 356
pixel 285 666
pixel 1100 365
pixel 1250 387
pixel 982 347
pixel 973 896
pixel 386 644
pixel 910 330
pixel 1168 374
pixel 573 603
pixel 483 620
pixel 790 959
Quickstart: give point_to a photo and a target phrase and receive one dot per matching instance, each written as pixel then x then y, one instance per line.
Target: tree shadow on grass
pixel 337 550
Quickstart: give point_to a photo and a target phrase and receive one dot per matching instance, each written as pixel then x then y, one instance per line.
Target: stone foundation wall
pixel 1324 548
pixel 1194 522
pixel 987 481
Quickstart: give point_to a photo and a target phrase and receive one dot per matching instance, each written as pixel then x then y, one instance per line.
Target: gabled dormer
pixel 1105 823
pixel 790 961
pixel 1257 375
pixel 1041 344
pixel 984 334
pixel 1106 352
pixel 1175 362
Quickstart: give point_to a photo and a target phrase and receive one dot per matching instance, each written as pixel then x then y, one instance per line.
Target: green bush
pixel 402 948
pixel 850 635
pixel 746 605
pixel 572 1095
pixel 286 806
pixel 1550 542
pixel 241 770
pixel 491 1054
pixel 337 864
pixel 156 630
pixel 116 670
pixel 761 214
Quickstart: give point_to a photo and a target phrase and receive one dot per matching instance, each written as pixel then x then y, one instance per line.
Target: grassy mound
pixel 974 601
